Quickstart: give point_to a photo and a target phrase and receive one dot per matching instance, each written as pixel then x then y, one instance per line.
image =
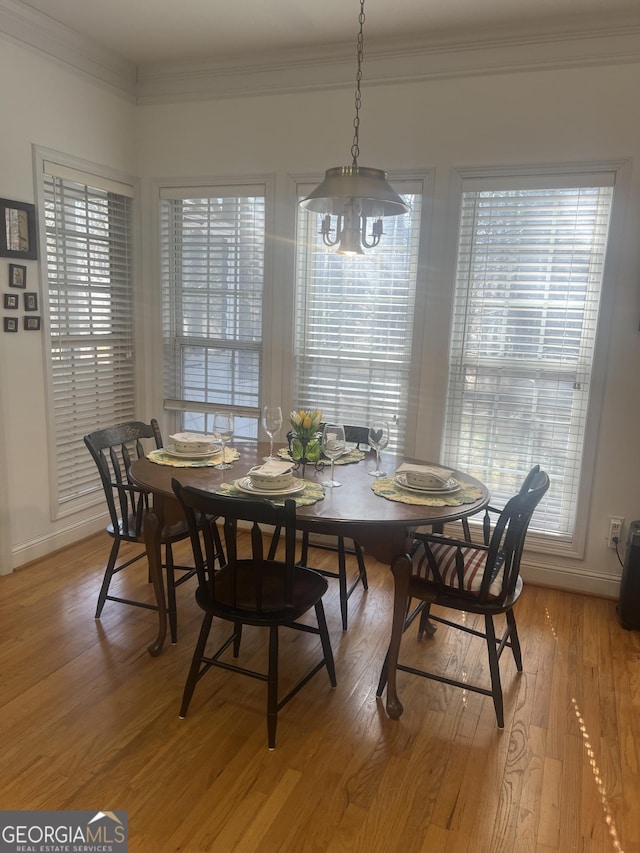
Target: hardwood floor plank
pixel 90 720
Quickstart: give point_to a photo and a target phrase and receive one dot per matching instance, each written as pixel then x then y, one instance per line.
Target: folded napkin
pixel 431 474
pixel 273 468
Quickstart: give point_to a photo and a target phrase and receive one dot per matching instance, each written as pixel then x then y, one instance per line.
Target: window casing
pixel 88 228
pixel 354 321
pixel 528 288
pixel 212 252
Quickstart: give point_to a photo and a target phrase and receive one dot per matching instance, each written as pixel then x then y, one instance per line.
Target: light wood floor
pixel 90 721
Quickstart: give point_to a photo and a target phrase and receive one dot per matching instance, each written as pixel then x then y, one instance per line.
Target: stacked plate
pixel 447 487
pixel 172 450
pixel 188 445
pixel 244 484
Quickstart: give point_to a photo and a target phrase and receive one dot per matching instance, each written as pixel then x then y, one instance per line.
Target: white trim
pixel 90 179
pixel 575 41
pixel 569 580
pixel 24 25
pixel 45 546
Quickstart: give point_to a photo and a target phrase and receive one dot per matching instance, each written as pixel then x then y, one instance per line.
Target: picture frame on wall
pixel 32 324
pixel 18 230
pixel 11 300
pixel 17 275
pixel 30 301
pixel 11 324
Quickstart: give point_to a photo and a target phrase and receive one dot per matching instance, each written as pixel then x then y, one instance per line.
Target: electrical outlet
pixel 615 531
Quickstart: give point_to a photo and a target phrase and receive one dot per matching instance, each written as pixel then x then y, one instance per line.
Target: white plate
pixel 192 454
pixel 245 485
pixel 450 486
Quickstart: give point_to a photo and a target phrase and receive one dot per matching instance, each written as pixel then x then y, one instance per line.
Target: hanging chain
pixel 355 146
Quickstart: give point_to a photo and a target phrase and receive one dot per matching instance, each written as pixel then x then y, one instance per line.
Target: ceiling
pixel 154 31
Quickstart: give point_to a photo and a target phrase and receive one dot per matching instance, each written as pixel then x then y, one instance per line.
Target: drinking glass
pixel 333 446
pixel 378 439
pixel 223 428
pixel 272 423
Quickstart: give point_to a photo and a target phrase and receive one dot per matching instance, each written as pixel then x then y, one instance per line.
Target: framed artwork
pixel 17 275
pixel 11 300
pixel 11 324
pixel 30 301
pixel 18 230
pixel 32 324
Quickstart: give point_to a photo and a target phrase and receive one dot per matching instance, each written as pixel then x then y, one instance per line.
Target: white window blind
pixel 527 294
pixel 213 242
pixel 354 322
pixel 90 316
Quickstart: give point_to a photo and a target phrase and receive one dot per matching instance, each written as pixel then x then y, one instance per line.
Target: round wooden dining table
pixel 353 510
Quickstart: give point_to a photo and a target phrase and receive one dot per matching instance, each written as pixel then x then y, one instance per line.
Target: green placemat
pixel 161 457
pixel 312 493
pixel 347 458
pixel 386 488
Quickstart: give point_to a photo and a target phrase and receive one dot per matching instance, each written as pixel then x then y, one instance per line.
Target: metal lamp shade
pixel 345 183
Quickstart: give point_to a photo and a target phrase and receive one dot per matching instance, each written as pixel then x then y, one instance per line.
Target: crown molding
pixel 406 62
pixel 28 27
pixel 596 40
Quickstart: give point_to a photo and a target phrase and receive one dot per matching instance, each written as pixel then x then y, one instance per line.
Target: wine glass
pixel 378 439
pixel 223 428
pixel 272 423
pixel 333 446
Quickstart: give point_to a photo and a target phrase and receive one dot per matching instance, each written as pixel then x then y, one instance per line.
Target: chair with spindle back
pixel 113 450
pixel 253 590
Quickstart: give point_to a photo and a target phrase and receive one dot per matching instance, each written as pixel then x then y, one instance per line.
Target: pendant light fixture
pixel 356 195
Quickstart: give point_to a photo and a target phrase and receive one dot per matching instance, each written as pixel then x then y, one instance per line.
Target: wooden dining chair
pixel 113 450
pixel 483 579
pixel 253 590
pixel 341 545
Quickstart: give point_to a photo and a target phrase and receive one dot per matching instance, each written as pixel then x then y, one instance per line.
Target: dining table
pixel 376 512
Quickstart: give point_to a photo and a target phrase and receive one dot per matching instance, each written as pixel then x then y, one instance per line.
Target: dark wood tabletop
pixel 352 510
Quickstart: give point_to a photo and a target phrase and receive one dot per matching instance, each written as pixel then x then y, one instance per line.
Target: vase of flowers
pixel 304 441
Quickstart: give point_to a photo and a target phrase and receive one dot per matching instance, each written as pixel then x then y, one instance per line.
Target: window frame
pixel 563 174
pixel 77 169
pixel 206 187
pixel 418 181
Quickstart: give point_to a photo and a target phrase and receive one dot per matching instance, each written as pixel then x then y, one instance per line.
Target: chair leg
pixel 326 643
pixel 172 607
pixel 425 626
pixel 272 687
pixel 342 581
pixel 494 668
pixel 304 552
pixel 362 568
pixel 108 574
pixel 515 640
pixel 196 660
pixel 237 637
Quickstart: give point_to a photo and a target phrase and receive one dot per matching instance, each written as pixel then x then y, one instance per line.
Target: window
pixel 213 243
pixel 527 295
pixel 354 322
pixel 88 229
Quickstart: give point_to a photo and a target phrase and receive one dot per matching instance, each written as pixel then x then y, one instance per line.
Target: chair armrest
pixel 445 540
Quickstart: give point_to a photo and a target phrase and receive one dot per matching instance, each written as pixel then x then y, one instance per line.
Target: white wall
pixel 41 103
pixel 553 116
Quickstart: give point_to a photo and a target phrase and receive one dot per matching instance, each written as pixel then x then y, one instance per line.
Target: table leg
pixel 401 568
pixel 152 529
